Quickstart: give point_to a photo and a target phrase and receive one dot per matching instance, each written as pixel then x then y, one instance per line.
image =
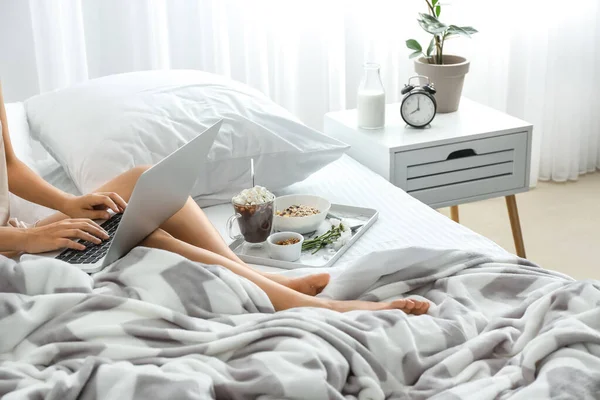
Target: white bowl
pixel 288 252
pixel 300 224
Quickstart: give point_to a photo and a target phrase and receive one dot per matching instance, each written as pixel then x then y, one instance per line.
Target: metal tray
pixel 324 258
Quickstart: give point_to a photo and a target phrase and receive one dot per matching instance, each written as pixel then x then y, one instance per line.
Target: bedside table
pixel 473 154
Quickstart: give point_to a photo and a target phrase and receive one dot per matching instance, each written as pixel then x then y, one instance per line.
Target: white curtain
pixel 539 61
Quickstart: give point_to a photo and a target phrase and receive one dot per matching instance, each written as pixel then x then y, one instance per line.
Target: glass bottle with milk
pixel 371 99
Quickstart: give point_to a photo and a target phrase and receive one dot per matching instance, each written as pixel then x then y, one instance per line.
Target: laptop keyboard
pixel 93 251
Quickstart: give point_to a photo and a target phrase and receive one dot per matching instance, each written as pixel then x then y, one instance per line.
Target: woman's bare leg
pixel 281 296
pixel 191 225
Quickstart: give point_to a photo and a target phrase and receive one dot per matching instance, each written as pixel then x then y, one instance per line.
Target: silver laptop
pixel 159 193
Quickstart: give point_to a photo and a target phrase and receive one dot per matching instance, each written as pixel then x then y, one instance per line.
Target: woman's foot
pixel 409 306
pixel 311 285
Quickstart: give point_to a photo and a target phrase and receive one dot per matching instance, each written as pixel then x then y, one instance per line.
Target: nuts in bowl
pixel 288 242
pixel 300 213
pixel 285 246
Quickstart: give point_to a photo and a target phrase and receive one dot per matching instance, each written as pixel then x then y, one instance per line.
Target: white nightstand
pixel 473 154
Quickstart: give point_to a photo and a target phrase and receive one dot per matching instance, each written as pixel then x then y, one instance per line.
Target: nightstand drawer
pixel 460 170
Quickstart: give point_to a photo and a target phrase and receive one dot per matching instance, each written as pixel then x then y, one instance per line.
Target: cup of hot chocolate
pixel 254 209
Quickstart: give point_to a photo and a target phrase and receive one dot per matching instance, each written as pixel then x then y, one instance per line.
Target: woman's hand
pixel 94 205
pixel 61 234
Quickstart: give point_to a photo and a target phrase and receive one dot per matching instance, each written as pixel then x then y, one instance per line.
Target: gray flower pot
pixel 448 79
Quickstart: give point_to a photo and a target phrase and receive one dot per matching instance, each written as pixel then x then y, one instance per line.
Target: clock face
pixel 418 109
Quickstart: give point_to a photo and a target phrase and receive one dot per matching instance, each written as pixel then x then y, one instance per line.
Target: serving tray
pixel 360 217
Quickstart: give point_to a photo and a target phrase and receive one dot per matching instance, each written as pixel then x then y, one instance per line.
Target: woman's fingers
pixel 122 204
pixel 98 214
pixel 69 244
pixel 102 199
pixel 93 229
pixel 80 234
pixel 89 226
pixel 89 221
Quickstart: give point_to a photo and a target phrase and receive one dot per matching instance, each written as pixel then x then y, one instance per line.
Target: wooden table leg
pixel 515 224
pixel 454 214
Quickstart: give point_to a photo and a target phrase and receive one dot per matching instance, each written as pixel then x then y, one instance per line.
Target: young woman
pixel 188 232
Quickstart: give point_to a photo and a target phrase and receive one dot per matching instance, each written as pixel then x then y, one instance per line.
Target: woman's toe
pixel 398 304
pixel 421 308
pixel 410 306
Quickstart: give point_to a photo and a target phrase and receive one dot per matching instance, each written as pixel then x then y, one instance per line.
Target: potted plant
pixel 446 71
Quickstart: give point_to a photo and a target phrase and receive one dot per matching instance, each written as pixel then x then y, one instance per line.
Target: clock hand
pixel 418 103
pixel 414 112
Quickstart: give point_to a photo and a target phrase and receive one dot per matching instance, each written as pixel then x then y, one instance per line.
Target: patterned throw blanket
pixel 157 326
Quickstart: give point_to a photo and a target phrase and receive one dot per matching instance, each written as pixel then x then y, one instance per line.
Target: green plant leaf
pixel 414 45
pixel 430 47
pixel 469 29
pixel 457 30
pixel 431 24
pixel 415 54
pixel 438 11
pixel 430 19
pixel 434 2
pixel 433 30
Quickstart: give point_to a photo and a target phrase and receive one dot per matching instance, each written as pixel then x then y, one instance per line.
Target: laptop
pixel 159 193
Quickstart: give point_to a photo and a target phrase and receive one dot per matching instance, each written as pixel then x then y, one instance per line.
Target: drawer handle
pixel 461 154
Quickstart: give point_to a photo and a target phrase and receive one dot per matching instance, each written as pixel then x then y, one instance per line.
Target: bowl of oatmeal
pixel 300 213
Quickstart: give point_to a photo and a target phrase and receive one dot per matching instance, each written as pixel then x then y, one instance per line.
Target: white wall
pixel 17 51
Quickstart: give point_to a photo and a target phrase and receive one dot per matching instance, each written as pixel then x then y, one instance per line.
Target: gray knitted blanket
pixel 157 326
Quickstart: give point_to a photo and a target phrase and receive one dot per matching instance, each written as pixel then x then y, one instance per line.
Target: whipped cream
pixel 252 196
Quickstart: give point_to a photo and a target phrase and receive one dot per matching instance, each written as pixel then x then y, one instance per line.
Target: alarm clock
pixel 418 106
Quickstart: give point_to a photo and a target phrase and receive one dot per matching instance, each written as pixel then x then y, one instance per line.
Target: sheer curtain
pixel 537 61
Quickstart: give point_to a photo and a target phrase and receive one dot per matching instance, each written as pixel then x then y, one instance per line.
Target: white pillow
pixel 106 126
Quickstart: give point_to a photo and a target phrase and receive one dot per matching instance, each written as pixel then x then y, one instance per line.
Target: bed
pixel 155 325
pixel 499 327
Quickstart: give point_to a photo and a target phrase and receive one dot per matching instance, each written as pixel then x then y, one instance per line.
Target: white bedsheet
pixel 403 221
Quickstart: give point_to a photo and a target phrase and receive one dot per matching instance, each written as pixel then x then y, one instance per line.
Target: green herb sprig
pixel 328 237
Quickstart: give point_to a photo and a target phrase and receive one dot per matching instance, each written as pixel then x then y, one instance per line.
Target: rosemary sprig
pixel 319 242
